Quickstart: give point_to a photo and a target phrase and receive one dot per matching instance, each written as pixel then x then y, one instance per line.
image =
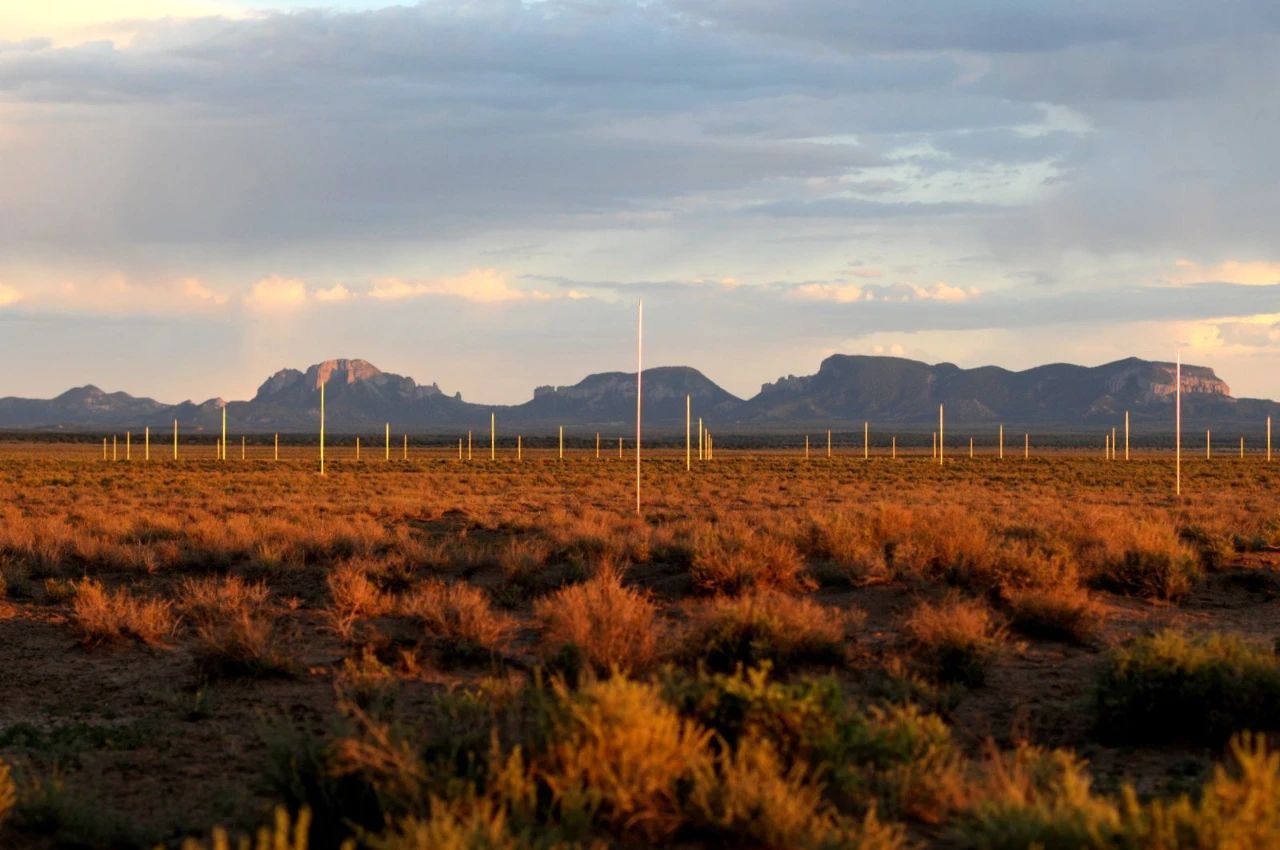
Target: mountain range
pixel 845 391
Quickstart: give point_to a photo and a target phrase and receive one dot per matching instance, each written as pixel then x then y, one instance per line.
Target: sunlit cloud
pixel 485 286
pixel 337 292
pixel 277 293
pixel 1249 272
pixel 65 22
pixel 846 293
pixel 9 295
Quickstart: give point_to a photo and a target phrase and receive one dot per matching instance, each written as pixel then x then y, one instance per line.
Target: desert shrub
pixel 612 626
pixel 736 558
pixel 752 795
pixel 458 825
pixel 955 638
pixel 1036 798
pixel 206 600
pixel 242 643
pixel 1150 562
pixel 1238 808
pixel 103 616
pixel 8 792
pixel 898 759
pixel 354 596
pixel 1056 613
pixel 847 549
pixel 1215 549
pixel 621 753
pixel 72 819
pixel 768 626
pixel 459 615
pixel 235 627
pixel 1175 687
pixel 284 833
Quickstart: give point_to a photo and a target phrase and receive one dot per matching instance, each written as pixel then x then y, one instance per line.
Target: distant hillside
pixel 845 391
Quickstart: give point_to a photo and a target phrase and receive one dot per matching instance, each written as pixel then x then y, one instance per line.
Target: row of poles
pixel 705 440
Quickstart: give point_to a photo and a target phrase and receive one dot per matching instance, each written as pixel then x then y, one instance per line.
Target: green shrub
pixel 1174 687
pixel 1037 798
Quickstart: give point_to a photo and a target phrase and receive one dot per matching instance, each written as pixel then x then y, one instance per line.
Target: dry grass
pixel 612 626
pixel 737 557
pixel 768 626
pixel 457 613
pixel 1055 613
pixel 104 616
pixel 956 637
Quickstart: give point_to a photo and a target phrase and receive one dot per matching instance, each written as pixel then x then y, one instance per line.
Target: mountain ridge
pixel 845 391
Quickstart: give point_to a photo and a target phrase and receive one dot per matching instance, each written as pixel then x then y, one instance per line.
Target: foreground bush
pixel 460 616
pixel 955 638
pixel 738 558
pixel 610 626
pixel 1065 613
pixel 1175 687
pixel 103 616
pixel 1151 562
pixel 768 626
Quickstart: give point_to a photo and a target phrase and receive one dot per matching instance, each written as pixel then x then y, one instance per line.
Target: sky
pixel 197 193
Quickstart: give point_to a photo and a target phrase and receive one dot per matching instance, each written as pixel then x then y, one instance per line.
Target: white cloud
pixel 277 293
pixel 337 292
pixel 485 286
pixel 9 295
pixel 1250 272
pixel 845 293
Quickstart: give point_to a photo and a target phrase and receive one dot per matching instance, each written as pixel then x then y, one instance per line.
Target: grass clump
pixel 460 616
pixel 608 625
pixel 1065 613
pixel 1172 686
pixel 1152 563
pixel 768 626
pixel 738 558
pixel 955 638
pixel 8 792
pixel 102 616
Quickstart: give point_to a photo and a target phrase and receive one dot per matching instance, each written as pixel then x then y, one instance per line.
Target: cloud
pixel 1250 272
pixel 196 290
pixel 277 293
pixel 485 286
pixel 337 292
pixel 845 293
pixel 9 295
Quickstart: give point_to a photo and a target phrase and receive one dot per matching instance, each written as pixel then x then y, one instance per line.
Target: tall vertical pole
pixel 242 447
pixel 224 433
pixel 322 427
pixel 387 454
pixel 971 448
pixel 639 388
pixel 806 446
pixel 1026 446
pixel 405 453
pixel 104 448
pixel 619 448
pixel 357 448
pixel 597 445
pixel 688 433
pixel 1268 439
pixel 866 440
pixel 175 439
pixel 1177 439
pixel 700 436
pixel 1208 445
pixel 1126 435
pixel 128 445
pixel 493 436
pixel 468 445
pixel 561 442
pixel 941 437
pixel 828 442
pixel 146 436
pixel 115 450
pixel 276 455
pixel 1002 441
pixel 894 444
pixel 1113 443
pixel 520 447
pixel 1106 446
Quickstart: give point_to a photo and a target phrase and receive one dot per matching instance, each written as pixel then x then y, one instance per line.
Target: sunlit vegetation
pixel 779 654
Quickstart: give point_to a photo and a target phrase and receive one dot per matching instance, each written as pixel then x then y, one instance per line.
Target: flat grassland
pixel 781 652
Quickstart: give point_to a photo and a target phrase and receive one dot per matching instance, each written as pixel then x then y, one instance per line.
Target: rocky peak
pixel 345 371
